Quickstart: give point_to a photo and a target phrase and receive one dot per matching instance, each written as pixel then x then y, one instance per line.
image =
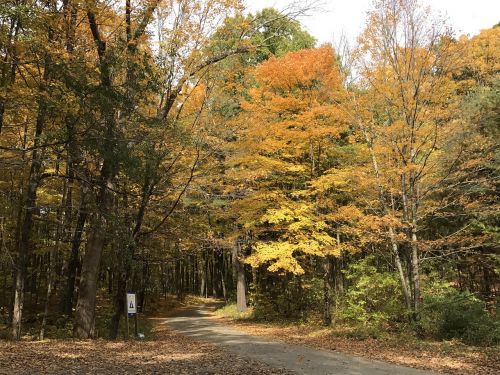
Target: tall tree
pixel 33 179
pixel 405 61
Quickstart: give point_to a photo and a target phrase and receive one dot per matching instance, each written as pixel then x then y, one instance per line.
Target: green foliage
pixel 287 297
pixel 279 35
pixel 452 314
pixel 482 108
pixel 374 298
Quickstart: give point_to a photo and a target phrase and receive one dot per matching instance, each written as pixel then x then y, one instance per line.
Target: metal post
pixel 126 319
pixel 135 326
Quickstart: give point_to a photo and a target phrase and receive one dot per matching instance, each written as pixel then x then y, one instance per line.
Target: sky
pixel 347 17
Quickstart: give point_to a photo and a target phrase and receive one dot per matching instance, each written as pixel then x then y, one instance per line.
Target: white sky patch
pixel 347 17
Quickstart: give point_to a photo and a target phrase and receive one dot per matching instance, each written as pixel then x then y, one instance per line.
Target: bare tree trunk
pixel 239 270
pixel 213 274
pixel 394 246
pixel 119 304
pixel 28 208
pixel 50 283
pixel 203 272
pixel 222 270
pixel 85 307
pixel 74 260
pixel 327 288
pixel 178 281
pixel 164 279
pixel 144 281
pixel 399 267
pixel 409 215
pixel 415 272
pixel 9 60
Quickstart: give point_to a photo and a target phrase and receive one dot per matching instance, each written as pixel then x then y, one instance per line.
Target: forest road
pixel 195 322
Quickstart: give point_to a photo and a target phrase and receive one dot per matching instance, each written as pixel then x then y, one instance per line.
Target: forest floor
pixel 450 357
pixel 163 352
pixel 171 353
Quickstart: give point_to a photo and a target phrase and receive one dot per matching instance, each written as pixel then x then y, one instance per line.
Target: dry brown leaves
pixel 171 353
pixel 450 358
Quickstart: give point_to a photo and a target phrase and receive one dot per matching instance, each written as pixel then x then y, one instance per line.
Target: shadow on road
pixel 195 322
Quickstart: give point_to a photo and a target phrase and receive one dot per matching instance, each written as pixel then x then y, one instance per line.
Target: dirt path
pixel 195 322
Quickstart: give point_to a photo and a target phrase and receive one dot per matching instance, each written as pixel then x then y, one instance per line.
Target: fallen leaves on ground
pixel 170 353
pixel 450 358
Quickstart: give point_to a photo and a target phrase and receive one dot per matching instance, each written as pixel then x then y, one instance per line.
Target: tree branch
pixel 176 202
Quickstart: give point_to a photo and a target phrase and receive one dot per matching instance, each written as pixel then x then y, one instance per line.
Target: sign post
pixel 131 311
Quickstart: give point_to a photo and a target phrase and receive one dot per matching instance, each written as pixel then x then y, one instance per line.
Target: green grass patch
pixel 229 311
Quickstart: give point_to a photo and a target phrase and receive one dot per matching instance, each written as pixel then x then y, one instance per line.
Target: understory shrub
pixel 373 299
pixel 451 314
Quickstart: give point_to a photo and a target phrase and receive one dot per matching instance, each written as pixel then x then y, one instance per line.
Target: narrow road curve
pixel 195 322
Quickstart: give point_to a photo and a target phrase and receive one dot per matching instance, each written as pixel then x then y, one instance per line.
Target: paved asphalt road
pixel 195 323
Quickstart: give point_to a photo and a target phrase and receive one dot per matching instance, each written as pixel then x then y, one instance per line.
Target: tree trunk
pixel 141 303
pixel 401 273
pixel 85 307
pixel 409 215
pixel 202 276
pixel 28 208
pixel 327 288
pixel 239 270
pixel 9 59
pixel 415 273
pixel 178 281
pixel 50 283
pixel 74 260
pixel 213 275
pixel 118 305
pixel 222 279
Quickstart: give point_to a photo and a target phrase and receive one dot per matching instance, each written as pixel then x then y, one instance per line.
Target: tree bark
pixel 74 260
pixel 222 278
pixel 202 276
pixel 118 305
pixel 50 283
pixel 85 307
pixel 9 60
pixel 239 270
pixel 394 246
pixel 415 273
pixel 401 273
pixel 327 288
pixel 28 208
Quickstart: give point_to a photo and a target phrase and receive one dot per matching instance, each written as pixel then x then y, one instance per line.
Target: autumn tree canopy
pixel 190 147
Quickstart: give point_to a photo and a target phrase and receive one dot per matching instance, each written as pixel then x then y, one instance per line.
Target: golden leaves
pixel 292 108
